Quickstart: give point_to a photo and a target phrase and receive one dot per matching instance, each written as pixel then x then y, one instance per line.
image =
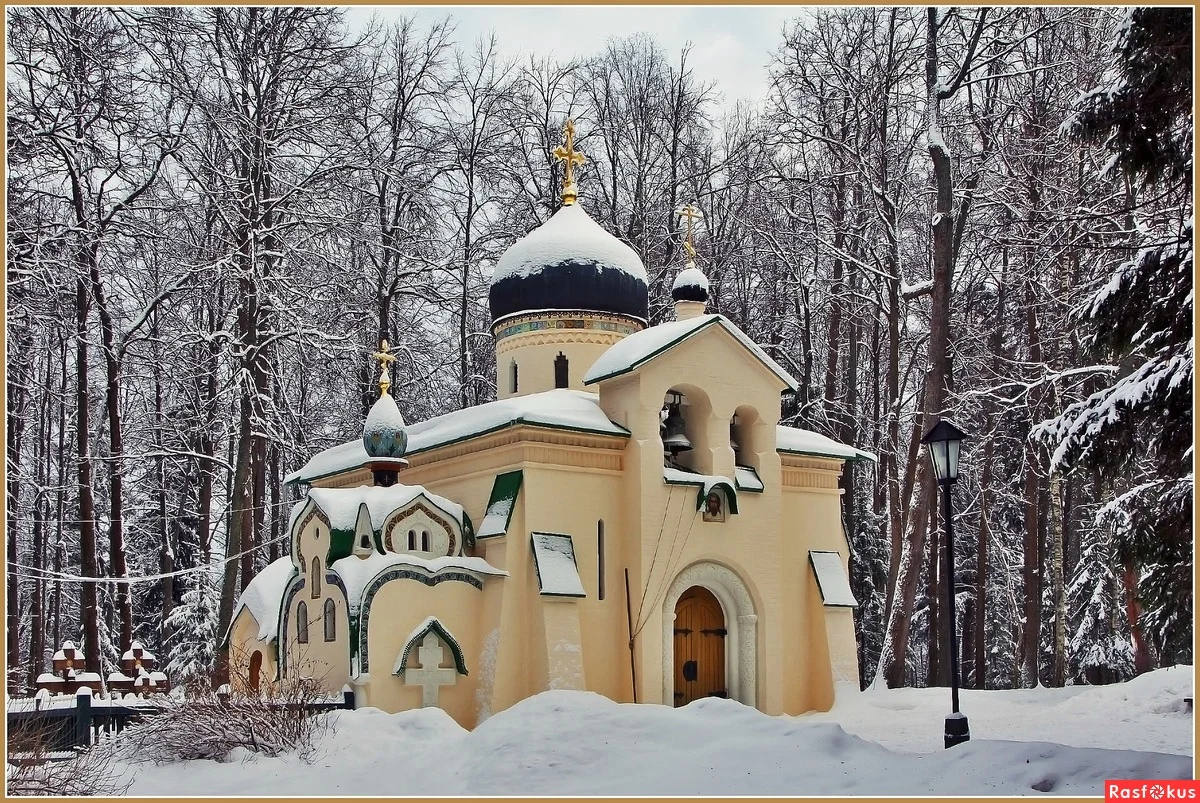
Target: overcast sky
pixel 731 45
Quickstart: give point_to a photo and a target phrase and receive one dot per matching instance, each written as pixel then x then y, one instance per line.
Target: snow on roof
pixel 384 417
pixel 569 235
pixel 804 441
pixel 264 596
pixel 341 505
pixel 357 573
pixel 747 479
pixel 832 579
pixel 691 277
pixel 628 353
pixel 705 481
pixel 47 677
pixel 129 656
pixel 554 559
pixel 500 504
pixel 560 408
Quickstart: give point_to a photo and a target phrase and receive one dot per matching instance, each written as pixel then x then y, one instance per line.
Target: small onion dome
pixel 569 263
pixel 383 433
pixel 690 285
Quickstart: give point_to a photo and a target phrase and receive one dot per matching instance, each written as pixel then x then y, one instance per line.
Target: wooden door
pixel 255 670
pixel 699 646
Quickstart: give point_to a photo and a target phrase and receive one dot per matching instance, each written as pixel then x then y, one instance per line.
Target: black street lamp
pixel 943 442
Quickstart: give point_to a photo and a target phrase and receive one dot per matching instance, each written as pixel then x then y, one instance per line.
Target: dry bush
pixel 34 769
pixel 210 726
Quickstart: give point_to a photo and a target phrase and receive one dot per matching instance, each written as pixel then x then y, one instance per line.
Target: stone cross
pixel 430 676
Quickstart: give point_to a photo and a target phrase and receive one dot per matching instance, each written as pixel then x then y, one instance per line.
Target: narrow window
pixel 424 540
pixel 600 557
pixel 560 370
pixel 365 542
pixel 255 670
pixel 315 580
pixel 412 540
pixel 514 377
pixel 330 618
pixel 302 623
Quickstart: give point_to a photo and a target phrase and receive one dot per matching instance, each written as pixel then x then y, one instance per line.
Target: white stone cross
pixel 430 676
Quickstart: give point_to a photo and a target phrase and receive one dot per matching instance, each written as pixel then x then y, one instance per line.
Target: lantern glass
pixel 944 455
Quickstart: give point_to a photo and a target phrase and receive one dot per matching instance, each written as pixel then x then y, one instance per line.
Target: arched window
pixel 255 669
pixel 412 540
pixel 560 370
pixel 600 558
pixel 302 623
pixel 315 579
pixel 513 377
pixel 330 618
pixel 424 540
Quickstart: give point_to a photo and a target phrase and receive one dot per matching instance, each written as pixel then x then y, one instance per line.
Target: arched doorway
pixel 741 625
pixel 255 670
pixel 699 646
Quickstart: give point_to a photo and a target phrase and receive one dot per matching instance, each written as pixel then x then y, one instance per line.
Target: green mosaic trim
pixel 444 635
pixel 399 574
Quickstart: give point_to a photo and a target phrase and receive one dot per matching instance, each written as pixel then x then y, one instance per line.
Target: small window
pixel 560 370
pixel 315 580
pixel 330 618
pixel 513 382
pixel 424 540
pixel 365 541
pixel 302 623
pixel 412 540
pixel 600 558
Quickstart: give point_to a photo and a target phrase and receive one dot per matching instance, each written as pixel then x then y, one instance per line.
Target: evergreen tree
pixel 1140 426
pixel 192 626
pixel 1100 651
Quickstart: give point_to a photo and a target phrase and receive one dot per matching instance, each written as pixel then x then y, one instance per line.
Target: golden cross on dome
pixel 385 358
pixel 567 153
pixel 691 214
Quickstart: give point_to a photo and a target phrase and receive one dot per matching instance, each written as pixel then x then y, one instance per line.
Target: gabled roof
pixel 574 410
pixel 639 348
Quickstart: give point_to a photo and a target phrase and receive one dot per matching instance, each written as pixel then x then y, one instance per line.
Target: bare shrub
pixel 283 717
pixel 35 769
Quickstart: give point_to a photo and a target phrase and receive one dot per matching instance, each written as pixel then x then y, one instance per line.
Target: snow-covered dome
pixel 569 263
pixel 383 433
pixel 690 285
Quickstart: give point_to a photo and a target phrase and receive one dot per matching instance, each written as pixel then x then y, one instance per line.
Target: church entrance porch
pixel 699 646
pixel 709 596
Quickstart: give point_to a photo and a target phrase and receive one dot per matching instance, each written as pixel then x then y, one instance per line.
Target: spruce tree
pixel 1137 432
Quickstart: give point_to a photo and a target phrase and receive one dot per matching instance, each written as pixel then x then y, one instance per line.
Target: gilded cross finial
pixel 385 358
pixel 691 214
pixel 567 153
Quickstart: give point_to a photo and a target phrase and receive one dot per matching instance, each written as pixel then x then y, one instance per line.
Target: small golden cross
pixel 385 358
pixel 567 153
pixel 690 213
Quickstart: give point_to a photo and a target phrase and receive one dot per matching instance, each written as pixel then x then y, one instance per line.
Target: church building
pixel 628 518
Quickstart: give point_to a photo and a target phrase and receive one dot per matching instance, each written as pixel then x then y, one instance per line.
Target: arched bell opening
pixel 683 427
pixel 744 436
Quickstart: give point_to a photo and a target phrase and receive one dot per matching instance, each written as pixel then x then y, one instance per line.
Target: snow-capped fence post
pixel 83 717
pixel 347 698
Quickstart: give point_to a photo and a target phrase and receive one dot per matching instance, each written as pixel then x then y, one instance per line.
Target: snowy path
pixel 572 743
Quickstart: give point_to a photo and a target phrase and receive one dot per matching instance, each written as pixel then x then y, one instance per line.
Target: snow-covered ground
pixel 1062 741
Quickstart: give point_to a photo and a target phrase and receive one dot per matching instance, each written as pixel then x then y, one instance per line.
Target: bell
pixel 676 440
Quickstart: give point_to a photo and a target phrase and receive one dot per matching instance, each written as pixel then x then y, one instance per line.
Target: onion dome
pixel 383 433
pixel 569 263
pixel 690 285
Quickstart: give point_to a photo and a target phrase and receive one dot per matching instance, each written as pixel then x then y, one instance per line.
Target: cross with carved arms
pixel 385 359
pixel 691 214
pixel 567 153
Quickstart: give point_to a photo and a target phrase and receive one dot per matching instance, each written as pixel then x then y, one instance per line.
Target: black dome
pixel 569 263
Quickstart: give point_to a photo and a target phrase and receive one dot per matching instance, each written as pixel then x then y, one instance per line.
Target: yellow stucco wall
pixel 784 648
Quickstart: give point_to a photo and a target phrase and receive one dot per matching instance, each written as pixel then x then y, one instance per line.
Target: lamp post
pixel 943 442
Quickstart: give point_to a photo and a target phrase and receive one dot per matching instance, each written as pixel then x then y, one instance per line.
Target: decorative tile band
pixel 399 574
pixel 620 327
